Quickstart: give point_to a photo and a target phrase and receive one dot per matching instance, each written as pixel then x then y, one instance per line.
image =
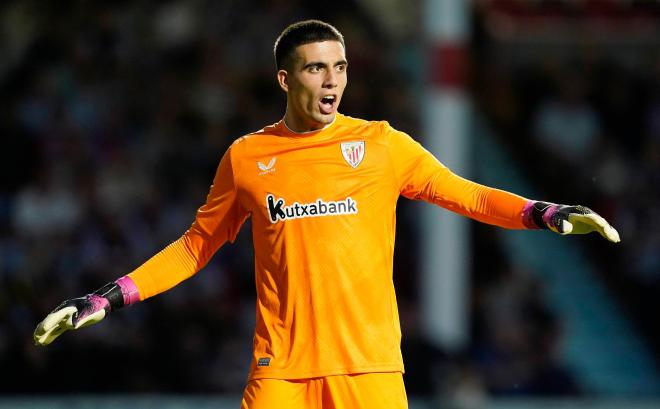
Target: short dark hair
pixel 301 33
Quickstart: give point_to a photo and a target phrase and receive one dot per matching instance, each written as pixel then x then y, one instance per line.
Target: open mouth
pixel 327 104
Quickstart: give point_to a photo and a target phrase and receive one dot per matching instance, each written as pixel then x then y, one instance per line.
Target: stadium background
pixel 114 117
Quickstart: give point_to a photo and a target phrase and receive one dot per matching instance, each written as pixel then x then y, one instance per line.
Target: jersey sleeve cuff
pixel 129 290
pixel 528 216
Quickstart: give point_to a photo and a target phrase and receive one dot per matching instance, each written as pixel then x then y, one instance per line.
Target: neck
pixel 301 128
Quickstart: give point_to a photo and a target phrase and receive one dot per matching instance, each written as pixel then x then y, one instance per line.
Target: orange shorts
pixel 360 391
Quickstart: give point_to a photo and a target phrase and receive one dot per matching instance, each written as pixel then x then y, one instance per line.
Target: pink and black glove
pixel 565 219
pixel 84 311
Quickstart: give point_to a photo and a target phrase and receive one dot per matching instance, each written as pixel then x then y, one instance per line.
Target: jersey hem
pixel 286 374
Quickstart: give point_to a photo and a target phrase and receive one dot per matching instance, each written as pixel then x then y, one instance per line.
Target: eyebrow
pixel 322 64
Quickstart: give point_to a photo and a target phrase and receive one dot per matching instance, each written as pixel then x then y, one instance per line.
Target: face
pixel 314 85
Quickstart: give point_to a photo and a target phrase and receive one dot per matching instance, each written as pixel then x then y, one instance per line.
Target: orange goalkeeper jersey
pixel 323 222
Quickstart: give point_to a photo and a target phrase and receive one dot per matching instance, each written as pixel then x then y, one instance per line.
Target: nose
pixel 330 80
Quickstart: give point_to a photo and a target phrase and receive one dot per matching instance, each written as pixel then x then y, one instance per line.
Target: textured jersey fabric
pixel 382 390
pixel 323 225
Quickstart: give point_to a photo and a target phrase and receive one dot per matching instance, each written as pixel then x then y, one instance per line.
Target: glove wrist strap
pixel 112 293
pixel 538 215
pixel 532 214
pixel 120 293
pixel 129 290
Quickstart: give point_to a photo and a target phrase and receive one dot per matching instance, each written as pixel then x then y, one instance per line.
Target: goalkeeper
pixel 321 189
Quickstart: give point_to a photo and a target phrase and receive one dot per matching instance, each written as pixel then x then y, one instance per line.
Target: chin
pixel 325 119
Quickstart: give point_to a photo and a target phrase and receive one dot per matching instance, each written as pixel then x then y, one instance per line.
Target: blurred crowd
pixel 585 121
pixel 115 116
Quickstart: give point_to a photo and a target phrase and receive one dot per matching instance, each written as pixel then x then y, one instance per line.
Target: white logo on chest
pixel 353 152
pixel 267 168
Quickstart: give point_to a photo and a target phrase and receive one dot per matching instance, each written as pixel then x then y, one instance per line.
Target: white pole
pixel 446 251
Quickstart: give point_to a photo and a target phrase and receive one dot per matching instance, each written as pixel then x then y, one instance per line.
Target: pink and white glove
pixel 84 311
pixel 565 219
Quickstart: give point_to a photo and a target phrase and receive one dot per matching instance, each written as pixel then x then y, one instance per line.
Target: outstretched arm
pixel 505 209
pixel 422 176
pixel 216 222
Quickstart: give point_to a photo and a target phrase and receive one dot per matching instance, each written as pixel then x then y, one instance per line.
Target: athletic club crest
pixel 353 152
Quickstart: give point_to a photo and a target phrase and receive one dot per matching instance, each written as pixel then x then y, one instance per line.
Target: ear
pixel 283 80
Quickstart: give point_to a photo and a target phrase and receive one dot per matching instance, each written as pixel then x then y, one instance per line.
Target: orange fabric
pixel 325 298
pixel 374 390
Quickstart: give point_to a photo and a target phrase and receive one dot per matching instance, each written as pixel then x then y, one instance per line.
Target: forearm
pixel 500 208
pixel 169 267
pixel 479 202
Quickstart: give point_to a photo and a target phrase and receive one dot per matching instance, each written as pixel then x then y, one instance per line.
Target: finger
pixel 90 319
pixel 610 234
pixel 49 336
pixel 42 337
pixel 566 227
pixel 60 317
pixel 39 334
pixel 53 325
pixel 586 223
pixel 599 224
pixel 596 219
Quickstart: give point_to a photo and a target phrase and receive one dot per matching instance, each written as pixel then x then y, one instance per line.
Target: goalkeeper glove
pixel 84 311
pixel 565 219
